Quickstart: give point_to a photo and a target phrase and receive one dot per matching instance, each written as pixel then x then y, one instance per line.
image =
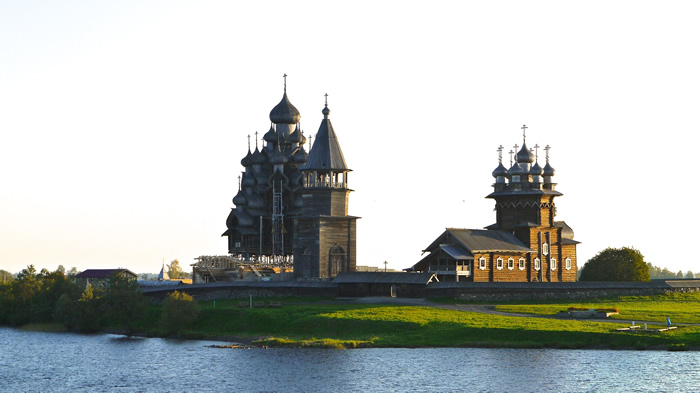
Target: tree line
pixel 52 297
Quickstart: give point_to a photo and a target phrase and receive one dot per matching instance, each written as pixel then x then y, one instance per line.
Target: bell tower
pixel 325 240
pixel 524 196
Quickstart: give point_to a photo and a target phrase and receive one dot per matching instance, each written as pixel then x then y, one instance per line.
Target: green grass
pixel 328 325
pixel 324 323
pixel 681 308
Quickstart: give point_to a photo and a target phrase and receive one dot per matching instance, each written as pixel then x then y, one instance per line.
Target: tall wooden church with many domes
pixel 291 209
pixel 525 244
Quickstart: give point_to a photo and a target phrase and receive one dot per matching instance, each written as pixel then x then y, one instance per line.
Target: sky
pixel 123 123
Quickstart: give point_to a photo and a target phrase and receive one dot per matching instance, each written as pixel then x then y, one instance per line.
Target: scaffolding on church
pixel 216 268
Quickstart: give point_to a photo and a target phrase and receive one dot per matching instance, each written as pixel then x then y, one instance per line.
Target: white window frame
pixel 567 263
pixel 482 263
pixel 511 263
pixel 545 249
pixel 537 264
pixel 499 263
pixel 553 264
pixel 521 263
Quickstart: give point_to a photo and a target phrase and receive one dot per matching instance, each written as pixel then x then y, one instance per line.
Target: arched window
pixel 567 263
pixel 545 249
pixel 499 263
pixel 537 264
pixel 336 260
pixel 521 263
pixel 511 264
pixel 482 263
pixel 553 264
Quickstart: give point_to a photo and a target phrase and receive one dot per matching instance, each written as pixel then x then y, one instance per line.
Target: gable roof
pixel 103 273
pixel 480 240
pixel 384 278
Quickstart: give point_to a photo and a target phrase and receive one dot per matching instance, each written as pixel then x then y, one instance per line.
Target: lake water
pixel 58 362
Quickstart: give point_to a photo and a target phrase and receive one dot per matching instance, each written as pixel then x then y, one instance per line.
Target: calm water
pixel 59 362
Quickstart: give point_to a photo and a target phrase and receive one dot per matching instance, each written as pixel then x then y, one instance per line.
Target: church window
pixel 482 263
pixel 567 263
pixel 499 263
pixel 545 249
pixel 336 260
pixel 521 263
pixel 537 264
pixel 511 264
pixel 553 264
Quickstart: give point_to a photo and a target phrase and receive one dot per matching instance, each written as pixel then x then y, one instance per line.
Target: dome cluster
pixel 281 159
pixel 525 172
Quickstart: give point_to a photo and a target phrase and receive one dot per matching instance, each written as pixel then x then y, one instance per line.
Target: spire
pixel 326 154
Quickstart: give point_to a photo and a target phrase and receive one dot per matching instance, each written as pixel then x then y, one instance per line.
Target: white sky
pixel 123 123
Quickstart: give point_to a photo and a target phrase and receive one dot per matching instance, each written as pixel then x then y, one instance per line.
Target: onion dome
pixel 500 171
pixel 231 220
pixel 284 112
pixel 244 219
pixel 536 170
pixel 515 170
pixel 246 161
pixel 248 180
pixel 548 170
pixel 270 136
pixel 255 201
pixel 295 137
pixel 240 199
pixel 303 140
pixel 525 155
pixel 277 157
pixel 257 157
pixel 300 156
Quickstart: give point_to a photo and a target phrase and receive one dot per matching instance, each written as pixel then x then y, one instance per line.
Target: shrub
pixel 180 311
pixel 616 264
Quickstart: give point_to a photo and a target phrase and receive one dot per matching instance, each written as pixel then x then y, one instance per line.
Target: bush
pixel 180 311
pixel 616 264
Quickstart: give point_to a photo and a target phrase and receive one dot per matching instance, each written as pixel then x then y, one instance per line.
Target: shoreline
pixel 244 342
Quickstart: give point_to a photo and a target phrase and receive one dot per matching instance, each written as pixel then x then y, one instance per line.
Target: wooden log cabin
pixel 525 244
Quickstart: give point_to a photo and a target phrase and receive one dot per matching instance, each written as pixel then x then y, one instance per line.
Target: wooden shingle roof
pixel 481 240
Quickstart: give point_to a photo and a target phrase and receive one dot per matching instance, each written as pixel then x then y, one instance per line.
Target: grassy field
pixel 325 324
pixel 681 308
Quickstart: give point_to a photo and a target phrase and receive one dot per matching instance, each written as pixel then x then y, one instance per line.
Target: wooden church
pixel 291 209
pixel 525 244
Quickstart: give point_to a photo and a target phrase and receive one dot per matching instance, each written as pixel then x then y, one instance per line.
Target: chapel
pixel 291 208
pixel 526 244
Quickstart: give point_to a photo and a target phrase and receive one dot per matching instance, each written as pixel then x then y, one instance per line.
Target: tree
pixel 689 274
pixel 680 274
pixel 616 264
pixel 174 270
pixel 124 303
pixel 180 311
pixel 5 276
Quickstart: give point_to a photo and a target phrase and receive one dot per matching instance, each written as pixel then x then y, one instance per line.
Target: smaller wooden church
pixel 525 244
